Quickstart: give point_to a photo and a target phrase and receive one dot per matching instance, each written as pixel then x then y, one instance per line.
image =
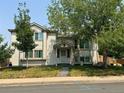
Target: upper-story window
pixel 84 44
pixel 38 36
pixel 76 44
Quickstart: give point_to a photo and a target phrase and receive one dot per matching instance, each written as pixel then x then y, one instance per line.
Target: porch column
pixel 56 56
pixel 71 57
pixel 78 47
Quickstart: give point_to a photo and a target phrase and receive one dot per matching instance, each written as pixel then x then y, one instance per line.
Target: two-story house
pixel 53 48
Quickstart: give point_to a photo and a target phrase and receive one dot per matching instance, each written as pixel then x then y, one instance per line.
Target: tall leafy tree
pixel 5 52
pixel 23 30
pixel 114 42
pixel 86 18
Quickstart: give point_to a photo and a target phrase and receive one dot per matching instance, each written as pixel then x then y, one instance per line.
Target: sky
pixel 8 8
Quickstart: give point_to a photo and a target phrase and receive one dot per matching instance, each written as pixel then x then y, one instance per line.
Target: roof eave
pixel 11 30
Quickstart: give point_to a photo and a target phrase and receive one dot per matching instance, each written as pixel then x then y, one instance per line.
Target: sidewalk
pixel 62 80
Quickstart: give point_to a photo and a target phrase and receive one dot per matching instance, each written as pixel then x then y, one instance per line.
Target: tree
pixel 86 18
pixel 114 42
pixel 23 30
pixel 5 52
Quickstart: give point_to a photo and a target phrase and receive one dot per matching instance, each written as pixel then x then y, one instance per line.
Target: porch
pixel 64 51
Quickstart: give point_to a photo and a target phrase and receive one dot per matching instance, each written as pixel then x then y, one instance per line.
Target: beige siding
pixel 13 37
pixel 44 45
pixel 15 57
pixel 51 53
pixel 94 53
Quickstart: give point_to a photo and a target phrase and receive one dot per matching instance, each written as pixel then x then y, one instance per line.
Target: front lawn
pixel 31 72
pixel 53 71
pixel 94 71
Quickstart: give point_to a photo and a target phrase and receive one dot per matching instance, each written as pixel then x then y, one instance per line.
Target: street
pixel 69 88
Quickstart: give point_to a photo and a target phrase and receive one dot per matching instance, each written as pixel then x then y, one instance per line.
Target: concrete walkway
pixel 64 72
pixel 63 80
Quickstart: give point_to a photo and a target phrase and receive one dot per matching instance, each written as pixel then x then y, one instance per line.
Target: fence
pixel 111 60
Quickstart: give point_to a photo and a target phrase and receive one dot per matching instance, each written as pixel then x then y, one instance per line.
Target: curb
pixel 61 80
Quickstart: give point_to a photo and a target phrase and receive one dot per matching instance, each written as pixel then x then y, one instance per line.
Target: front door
pixel 63 56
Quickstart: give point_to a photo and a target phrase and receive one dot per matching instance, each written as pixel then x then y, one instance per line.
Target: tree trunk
pixel 27 59
pixel 0 64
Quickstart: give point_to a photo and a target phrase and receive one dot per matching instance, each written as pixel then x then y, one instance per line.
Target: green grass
pixel 31 72
pixel 94 71
pixel 53 71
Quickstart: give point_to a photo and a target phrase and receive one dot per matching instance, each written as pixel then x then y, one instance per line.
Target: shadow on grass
pixel 13 68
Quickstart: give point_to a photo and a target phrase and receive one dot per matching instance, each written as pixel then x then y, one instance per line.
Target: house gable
pixel 37 28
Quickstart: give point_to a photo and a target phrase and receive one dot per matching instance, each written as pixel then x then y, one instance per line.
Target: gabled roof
pixel 11 30
pixel 44 28
pixel 64 43
pixel 39 26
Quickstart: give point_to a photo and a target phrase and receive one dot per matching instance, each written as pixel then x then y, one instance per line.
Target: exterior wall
pixel 38 43
pixel 45 37
pixel 41 45
pixel 15 57
pixel 33 62
pixel 85 53
pixel 94 53
pixel 13 37
pixel 51 52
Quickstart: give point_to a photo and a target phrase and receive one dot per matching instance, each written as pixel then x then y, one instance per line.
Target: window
pixel 82 59
pixel 84 43
pixel 36 36
pixel 63 52
pixel 38 54
pixel 76 44
pixel 68 53
pixel 85 59
pixel 39 36
pixel 30 54
pixel 58 53
pixel 81 43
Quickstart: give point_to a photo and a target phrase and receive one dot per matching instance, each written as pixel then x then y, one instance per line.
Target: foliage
pixel 87 18
pixel 114 42
pixel 23 31
pixel 5 52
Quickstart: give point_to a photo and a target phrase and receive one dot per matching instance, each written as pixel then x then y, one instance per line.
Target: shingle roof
pixel 44 28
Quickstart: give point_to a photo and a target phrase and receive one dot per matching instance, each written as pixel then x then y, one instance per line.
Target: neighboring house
pixel 53 48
